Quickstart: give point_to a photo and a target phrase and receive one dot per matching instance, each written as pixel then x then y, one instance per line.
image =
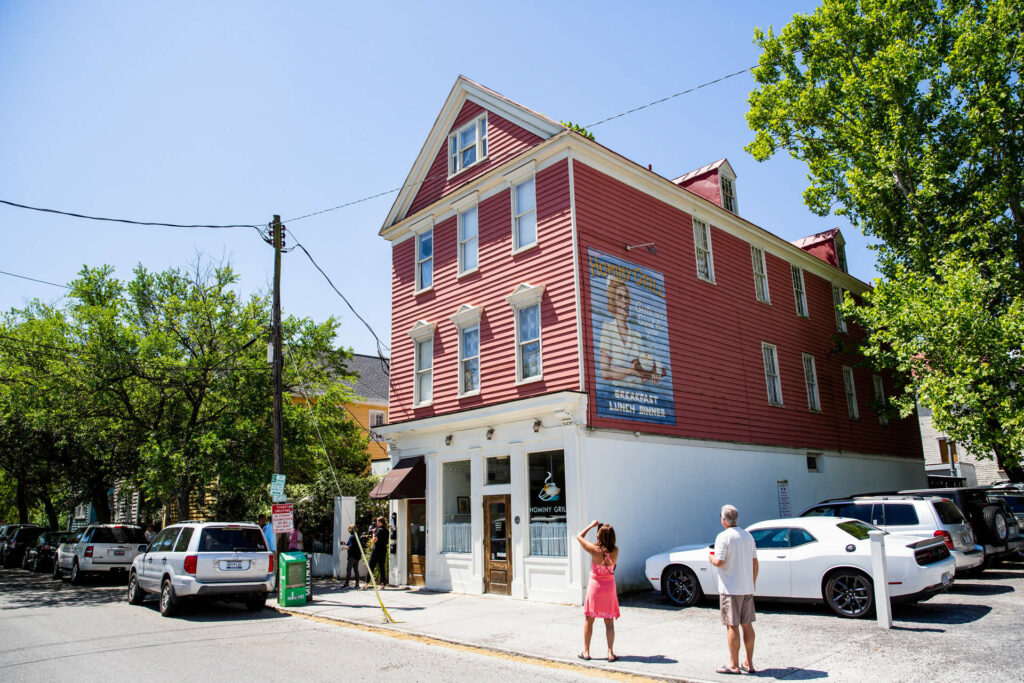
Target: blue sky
pixel 230 112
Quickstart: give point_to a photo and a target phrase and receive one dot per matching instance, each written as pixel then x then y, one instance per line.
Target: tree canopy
pixel 908 115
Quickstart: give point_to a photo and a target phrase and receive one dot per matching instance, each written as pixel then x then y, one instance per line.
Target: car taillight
pixel 190 564
pixel 88 551
pixel 270 569
pixel 946 537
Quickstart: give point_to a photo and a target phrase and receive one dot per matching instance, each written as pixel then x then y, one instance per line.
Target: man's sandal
pixel 726 669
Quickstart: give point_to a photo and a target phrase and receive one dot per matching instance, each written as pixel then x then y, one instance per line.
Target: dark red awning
pixel 407 479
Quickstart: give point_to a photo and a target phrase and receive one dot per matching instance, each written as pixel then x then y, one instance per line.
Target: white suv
pixel 909 515
pixel 106 548
pixel 226 560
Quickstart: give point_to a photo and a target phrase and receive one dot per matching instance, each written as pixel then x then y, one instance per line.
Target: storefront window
pixel 455 514
pixel 548 533
pixel 498 471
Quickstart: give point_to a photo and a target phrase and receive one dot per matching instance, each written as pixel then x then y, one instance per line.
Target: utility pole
pixel 278 363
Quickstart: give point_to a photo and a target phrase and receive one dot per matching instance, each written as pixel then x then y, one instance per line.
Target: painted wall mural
pixel 629 320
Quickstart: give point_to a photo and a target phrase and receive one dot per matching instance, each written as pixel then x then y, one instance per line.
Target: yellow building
pixel 370 409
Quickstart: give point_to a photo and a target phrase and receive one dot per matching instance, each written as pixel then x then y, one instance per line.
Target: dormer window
pixel 728 193
pixel 467 145
pixel 841 255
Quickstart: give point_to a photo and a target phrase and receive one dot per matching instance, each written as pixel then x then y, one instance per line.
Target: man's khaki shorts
pixel 736 609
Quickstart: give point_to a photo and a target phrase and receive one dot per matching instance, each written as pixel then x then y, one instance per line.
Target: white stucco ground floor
pixel 508 487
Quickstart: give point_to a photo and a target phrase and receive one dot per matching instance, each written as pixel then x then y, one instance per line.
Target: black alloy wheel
pixel 849 593
pixel 168 605
pixel 76 574
pixel 135 592
pixel 24 561
pixel 680 585
pixel 56 569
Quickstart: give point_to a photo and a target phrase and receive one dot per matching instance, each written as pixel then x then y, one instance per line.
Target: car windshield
pixel 219 539
pixel 118 534
pixel 858 530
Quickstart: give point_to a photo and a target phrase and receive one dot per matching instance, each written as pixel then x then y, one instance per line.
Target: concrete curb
pixel 577 664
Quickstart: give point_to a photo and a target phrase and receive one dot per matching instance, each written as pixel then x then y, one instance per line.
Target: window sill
pixel 530 380
pixel 528 247
pixel 417 292
pixel 776 405
pixel 766 302
pixel 466 168
pixel 467 272
pixel 554 560
pixel 710 281
pixel 424 404
pixel 470 394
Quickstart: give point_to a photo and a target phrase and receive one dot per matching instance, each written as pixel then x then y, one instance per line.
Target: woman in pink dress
pixel 602 602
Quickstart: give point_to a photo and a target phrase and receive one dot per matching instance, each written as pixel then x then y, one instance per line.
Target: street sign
pixel 277 488
pixel 281 517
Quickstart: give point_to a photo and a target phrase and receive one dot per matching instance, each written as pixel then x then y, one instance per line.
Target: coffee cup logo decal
pixel 550 491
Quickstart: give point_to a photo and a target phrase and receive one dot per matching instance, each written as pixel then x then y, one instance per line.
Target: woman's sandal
pixel 726 669
pixel 612 658
pixel 584 658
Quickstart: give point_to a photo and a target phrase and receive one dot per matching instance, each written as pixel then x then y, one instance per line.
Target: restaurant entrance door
pixel 417 542
pixel 497 546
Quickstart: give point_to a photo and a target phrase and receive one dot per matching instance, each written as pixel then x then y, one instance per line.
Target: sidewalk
pixel 656 640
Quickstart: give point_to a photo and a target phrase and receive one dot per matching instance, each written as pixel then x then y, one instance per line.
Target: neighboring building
pixel 370 407
pixel 948 464
pixel 575 337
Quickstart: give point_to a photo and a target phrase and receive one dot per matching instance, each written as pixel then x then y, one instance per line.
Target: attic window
pixel 728 194
pixel 467 145
pixel 841 256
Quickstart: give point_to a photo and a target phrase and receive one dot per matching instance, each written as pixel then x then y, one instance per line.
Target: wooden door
pixel 497 546
pixel 417 543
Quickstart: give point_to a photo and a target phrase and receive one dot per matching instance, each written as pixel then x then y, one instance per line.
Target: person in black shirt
pixel 353 556
pixel 378 555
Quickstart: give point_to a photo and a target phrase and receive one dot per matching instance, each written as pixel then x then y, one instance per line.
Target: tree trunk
pixel 21 499
pixel 183 507
pixel 1010 464
pixel 100 503
pixel 51 512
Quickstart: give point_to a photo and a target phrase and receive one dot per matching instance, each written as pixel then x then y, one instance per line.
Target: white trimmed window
pixel 524 214
pixel 883 419
pixel 760 274
pixel 811 382
pixel 422 334
pixel 467 145
pixel 377 418
pixel 837 301
pixel 728 193
pixel 467 320
pixel 771 373
pixel 702 248
pixel 525 302
pixel 851 393
pixel 841 256
pixel 425 259
pixel 799 293
pixel 469 240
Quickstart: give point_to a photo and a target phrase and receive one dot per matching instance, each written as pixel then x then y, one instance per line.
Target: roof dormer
pixel 829 246
pixel 715 182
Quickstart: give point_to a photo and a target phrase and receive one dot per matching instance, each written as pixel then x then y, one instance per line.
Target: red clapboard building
pixel 575 337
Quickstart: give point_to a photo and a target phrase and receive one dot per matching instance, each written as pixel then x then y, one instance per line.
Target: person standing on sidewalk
pixel 735 556
pixel 352 565
pixel 268 533
pixel 379 554
pixel 602 602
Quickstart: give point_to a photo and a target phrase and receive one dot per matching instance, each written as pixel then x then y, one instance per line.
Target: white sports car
pixel 816 559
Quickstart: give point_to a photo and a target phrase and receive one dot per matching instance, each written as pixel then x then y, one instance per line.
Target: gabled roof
pixel 818 238
pixel 706 169
pixel 464 89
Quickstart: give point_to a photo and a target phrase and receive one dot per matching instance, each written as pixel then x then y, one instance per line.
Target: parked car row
pixel 824 554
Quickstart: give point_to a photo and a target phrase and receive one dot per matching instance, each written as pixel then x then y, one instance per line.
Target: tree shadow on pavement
pixel 20 589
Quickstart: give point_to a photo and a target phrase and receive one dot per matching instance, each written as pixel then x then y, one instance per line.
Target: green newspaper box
pixel 291 580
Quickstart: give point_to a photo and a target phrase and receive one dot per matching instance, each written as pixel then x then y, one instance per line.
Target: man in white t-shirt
pixel 735 556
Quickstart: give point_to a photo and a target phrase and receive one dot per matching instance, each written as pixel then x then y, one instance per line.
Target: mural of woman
pixel 623 359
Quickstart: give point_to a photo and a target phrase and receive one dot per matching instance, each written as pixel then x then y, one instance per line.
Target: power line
pixel 125 220
pixel 25 277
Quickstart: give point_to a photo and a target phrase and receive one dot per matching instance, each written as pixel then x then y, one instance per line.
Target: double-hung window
pixel 883 417
pixel 702 247
pixel 771 373
pixel 851 393
pixel 837 301
pixel 425 259
pixel 468 240
pixel 526 306
pixel 811 381
pixel 467 145
pixel 422 335
pixel 841 256
pixel 799 293
pixel 467 321
pixel 524 214
pixel 728 194
pixel 760 274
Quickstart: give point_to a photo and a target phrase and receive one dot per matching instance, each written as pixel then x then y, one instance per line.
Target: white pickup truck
pixel 100 548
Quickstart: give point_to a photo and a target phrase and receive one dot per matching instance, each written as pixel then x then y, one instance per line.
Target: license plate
pixel 231 564
pixel 117 552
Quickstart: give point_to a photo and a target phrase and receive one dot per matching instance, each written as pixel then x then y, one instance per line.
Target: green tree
pixel 908 114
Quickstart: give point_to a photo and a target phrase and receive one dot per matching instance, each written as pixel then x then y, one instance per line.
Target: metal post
pixel 881 575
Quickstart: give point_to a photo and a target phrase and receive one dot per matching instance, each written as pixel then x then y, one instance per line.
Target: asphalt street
pixel 50 630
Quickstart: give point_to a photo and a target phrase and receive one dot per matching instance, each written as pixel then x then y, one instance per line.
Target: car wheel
pixel 168 605
pixel 995 522
pixel 56 569
pixel 135 593
pixel 680 585
pixel 849 593
pixel 256 602
pixel 76 574
pixel 24 561
pixel 35 564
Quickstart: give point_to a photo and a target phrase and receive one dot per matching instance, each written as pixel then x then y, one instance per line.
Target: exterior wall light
pixel 490 433
pixel 448 440
pixel 537 424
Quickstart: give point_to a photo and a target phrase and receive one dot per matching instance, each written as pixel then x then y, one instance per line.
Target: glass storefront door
pixel 497 546
pixel 417 543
